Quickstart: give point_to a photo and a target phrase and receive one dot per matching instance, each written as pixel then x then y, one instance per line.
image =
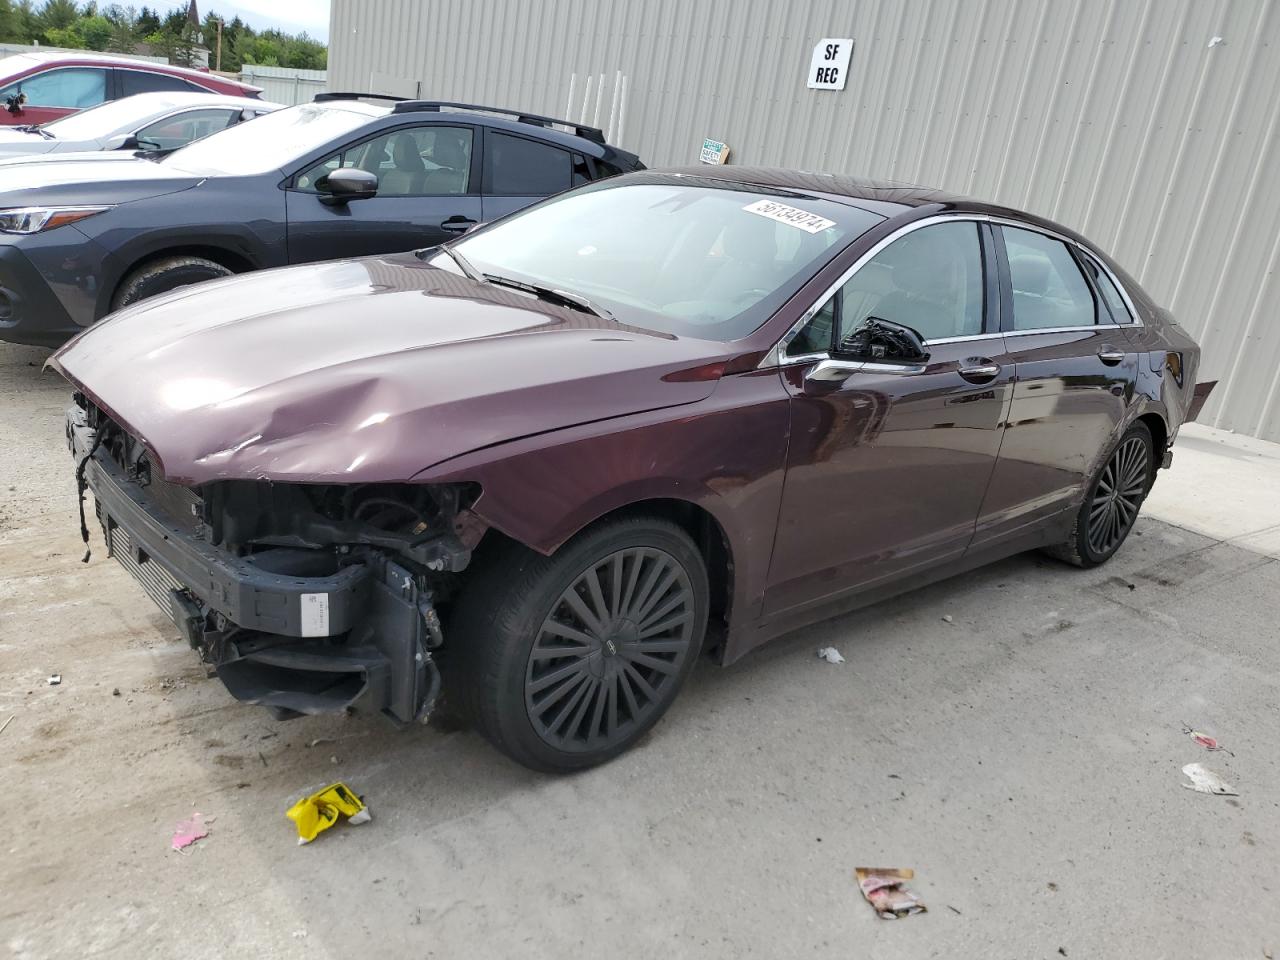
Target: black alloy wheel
pixel 1118 495
pixel 606 653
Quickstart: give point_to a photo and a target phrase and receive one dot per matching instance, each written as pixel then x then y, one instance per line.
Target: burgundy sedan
pixel 544 465
pixel 38 87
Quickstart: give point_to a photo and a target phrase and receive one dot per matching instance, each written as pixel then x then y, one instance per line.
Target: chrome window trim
pixel 776 357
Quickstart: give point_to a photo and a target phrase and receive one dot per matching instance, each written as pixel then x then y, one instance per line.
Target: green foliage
pixel 124 29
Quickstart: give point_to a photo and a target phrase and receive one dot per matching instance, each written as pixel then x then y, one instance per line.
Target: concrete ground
pixel 1024 757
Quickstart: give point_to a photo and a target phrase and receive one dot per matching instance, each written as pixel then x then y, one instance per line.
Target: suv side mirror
pixel 347 184
pixel 882 341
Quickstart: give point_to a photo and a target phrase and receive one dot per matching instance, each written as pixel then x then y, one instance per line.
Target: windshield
pixel 700 258
pixel 271 142
pixel 103 120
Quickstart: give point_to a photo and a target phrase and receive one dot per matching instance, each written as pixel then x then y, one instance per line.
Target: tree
pixel 148 22
pixel 97 32
pixel 124 29
pixel 58 15
pixel 9 23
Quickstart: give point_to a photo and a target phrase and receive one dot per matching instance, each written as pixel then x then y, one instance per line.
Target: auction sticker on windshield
pixel 792 216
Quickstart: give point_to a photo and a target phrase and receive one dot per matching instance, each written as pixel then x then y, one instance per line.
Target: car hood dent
pixel 363 371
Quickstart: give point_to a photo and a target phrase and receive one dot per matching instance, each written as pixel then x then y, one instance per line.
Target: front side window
pixel 429 161
pixel 929 280
pixel 1049 291
pixel 74 87
pixel 173 132
pixel 515 166
pixel 699 258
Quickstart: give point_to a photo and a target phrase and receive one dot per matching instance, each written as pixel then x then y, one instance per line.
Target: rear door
pixel 51 94
pixel 1076 371
pixel 887 466
pixel 521 170
pixel 428 192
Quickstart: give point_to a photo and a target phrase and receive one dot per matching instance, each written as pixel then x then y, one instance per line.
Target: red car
pixel 38 87
pixel 661 413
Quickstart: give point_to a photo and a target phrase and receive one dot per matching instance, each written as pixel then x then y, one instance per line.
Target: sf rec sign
pixel 829 66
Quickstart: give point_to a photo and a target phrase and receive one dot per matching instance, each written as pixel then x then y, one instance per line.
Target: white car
pixel 150 122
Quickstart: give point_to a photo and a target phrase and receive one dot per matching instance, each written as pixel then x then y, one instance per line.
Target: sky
pixel 292 16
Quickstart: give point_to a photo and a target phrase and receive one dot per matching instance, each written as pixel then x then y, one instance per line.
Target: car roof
pixel 35 58
pixel 176 99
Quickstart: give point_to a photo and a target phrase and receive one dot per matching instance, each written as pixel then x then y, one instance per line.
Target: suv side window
pixel 140 81
pixel 428 161
pixel 76 87
pixel 1106 286
pixel 518 167
pixel 1049 291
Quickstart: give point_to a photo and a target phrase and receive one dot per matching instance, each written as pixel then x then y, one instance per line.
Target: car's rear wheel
pixel 1111 505
pixel 564 662
pixel 161 276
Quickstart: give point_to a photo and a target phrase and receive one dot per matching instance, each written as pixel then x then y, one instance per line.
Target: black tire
pixel 161 276
pixel 1112 502
pixel 521 648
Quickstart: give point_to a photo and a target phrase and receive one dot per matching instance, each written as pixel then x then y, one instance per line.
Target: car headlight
pixel 36 219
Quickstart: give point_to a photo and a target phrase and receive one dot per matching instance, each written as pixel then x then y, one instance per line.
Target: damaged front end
pixel 305 597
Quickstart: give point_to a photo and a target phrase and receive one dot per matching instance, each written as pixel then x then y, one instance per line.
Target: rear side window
pixel 1049 291
pixel 137 81
pixel 75 87
pixel 1110 293
pixel 525 168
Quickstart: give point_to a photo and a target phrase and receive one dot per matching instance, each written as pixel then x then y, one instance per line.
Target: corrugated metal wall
pixel 1124 119
pixel 288 85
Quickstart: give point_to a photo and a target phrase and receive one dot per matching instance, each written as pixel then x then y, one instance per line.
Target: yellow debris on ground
pixel 320 811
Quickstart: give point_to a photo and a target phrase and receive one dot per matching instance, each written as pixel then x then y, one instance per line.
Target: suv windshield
pixel 272 141
pixel 699 257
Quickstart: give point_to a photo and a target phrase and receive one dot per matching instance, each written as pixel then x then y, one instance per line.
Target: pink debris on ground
pixel 189 831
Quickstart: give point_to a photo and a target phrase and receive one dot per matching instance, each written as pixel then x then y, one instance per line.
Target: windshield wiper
pixel 551 295
pixel 32 128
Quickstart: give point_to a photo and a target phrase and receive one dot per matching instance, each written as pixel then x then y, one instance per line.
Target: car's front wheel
pixel 161 276
pixel 1112 501
pixel 564 662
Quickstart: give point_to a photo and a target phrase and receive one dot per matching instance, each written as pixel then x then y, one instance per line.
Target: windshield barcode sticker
pixel 315 614
pixel 792 216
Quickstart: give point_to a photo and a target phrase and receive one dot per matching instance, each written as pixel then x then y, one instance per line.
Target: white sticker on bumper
pixel 315 614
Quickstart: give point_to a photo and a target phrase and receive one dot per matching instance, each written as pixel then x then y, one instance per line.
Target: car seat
pixel 408 174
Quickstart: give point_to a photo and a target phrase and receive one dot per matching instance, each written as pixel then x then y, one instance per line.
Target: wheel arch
pixel 237 261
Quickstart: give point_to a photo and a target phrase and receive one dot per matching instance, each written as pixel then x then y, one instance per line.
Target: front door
pixel 1076 372
pixel 427 193
pixel 51 94
pixel 887 468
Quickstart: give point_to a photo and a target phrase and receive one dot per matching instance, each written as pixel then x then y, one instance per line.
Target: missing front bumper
pixel 280 636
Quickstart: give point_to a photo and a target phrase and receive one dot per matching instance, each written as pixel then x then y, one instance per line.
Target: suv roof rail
pixel 346 95
pixel 414 106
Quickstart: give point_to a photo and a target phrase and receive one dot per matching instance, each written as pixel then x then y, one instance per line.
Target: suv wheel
pixel 161 276
pixel 564 662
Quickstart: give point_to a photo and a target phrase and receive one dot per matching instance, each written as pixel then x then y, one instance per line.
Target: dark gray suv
pixel 340 177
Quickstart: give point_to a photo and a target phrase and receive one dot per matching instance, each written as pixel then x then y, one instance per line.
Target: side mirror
pixel 347 184
pixel 122 142
pixel 882 341
pixel 15 103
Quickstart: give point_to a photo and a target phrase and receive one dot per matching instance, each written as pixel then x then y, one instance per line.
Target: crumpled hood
pixel 364 370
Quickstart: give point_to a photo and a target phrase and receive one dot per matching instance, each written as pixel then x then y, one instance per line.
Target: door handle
pixel 457 224
pixel 1110 356
pixel 979 370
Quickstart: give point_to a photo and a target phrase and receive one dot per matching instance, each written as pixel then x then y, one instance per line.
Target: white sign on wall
pixel 713 151
pixel 829 67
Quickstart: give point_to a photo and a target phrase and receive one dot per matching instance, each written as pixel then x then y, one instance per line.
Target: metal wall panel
pixel 1115 117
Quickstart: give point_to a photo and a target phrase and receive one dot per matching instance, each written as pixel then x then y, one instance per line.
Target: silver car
pixel 151 122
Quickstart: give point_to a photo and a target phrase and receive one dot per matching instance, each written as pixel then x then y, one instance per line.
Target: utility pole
pixel 217 65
